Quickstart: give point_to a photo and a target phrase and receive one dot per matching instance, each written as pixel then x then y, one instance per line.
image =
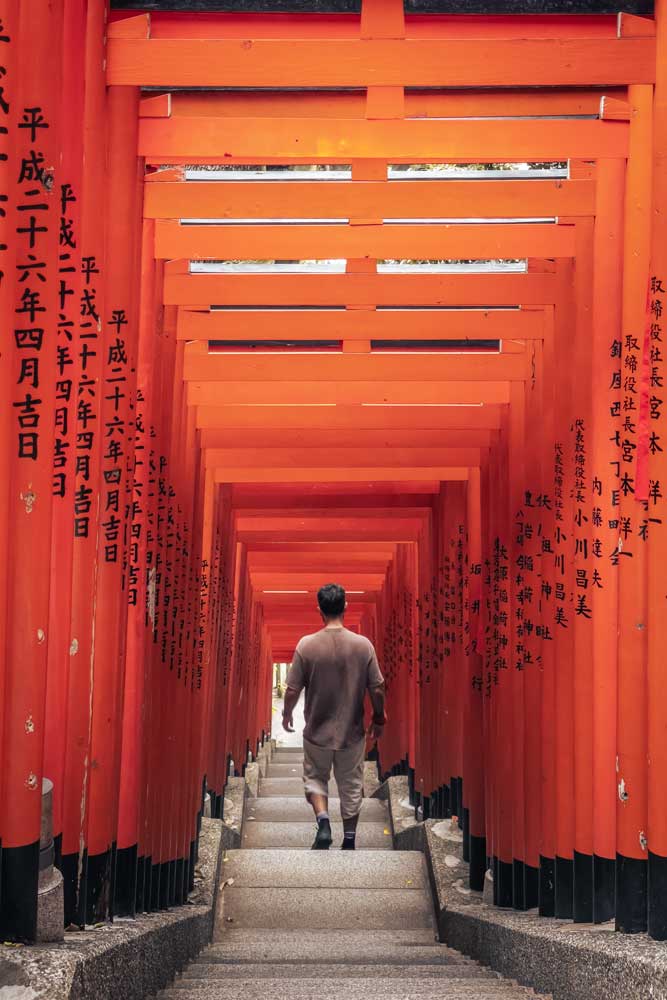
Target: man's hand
pixel 288 723
pixel 375 730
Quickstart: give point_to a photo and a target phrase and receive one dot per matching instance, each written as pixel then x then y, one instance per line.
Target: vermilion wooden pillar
pixel 606 350
pixel 133 772
pixel 118 387
pixel 548 713
pixel 68 376
pixel 532 506
pixel 631 776
pixel 8 138
pixel 86 458
pixel 657 509
pixel 473 738
pixel 33 214
pixel 563 602
pixel 579 444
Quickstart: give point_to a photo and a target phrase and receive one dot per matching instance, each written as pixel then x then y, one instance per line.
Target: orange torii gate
pixel 194 440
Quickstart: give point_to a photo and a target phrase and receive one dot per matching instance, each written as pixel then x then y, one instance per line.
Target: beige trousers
pixel 348 768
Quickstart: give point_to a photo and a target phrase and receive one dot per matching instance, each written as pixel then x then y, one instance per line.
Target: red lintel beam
pixel 245 325
pixel 459 393
pixel 206 62
pixel 340 367
pixel 413 199
pixel 450 103
pixel 331 475
pixel 325 515
pixel 317 438
pixel 477 241
pixel 331 140
pixel 293 290
pixel 273 525
pixel 251 24
pixel 350 417
pixel 354 458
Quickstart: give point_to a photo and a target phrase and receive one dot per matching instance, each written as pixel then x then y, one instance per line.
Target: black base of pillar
pixel 57 851
pixel 454 803
pixel 531 882
pixel 604 889
pixel 502 883
pixel 657 897
pixel 459 795
pixel 98 887
pixel 564 872
pixel 140 903
pixel 74 891
pixel 411 785
pixel 180 892
pixel 477 863
pixel 164 882
pixel 194 855
pixel 426 806
pixel 156 871
pixel 546 888
pixel 518 885
pixel 631 895
pixel 582 888
pixel 466 835
pixel 125 883
pixel 19 879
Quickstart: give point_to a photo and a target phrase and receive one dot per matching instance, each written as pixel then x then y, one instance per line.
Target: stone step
pixel 363 989
pixel 201 971
pixel 330 909
pixel 290 787
pixel 290 770
pixel 370 836
pixel 293 810
pixel 331 870
pixel 288 749
pixel 286 756
pixel 334 947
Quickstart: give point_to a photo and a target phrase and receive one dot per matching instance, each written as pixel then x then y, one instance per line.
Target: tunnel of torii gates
pixel 192 444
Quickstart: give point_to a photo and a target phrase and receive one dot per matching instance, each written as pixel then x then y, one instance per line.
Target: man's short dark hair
pixel 331 599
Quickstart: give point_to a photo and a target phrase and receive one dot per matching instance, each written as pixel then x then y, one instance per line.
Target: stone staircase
pixel 304 925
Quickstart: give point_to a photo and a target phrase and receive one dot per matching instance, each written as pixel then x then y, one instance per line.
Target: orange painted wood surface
pixel 326 140
pixel 409 199
pixel 370 392
pixel 386 366
pixel 294 290
pixel 388 241
pixel 450 62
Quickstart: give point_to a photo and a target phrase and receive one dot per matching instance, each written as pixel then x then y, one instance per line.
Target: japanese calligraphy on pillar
pixel 115 432
pixel 31 336
pixel 500 607
pixel 582 574
pixel 87 401
pixel 656 401
pixel 561 619
pixel 69 275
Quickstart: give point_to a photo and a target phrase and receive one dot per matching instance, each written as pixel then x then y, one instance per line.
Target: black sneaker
pixel 348 844
pixel 323 837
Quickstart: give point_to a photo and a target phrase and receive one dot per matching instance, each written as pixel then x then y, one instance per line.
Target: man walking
pixel 336 667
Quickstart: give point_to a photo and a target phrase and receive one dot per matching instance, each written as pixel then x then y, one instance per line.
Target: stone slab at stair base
pixel 129 959
pixel 235 805
pixel 570 961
